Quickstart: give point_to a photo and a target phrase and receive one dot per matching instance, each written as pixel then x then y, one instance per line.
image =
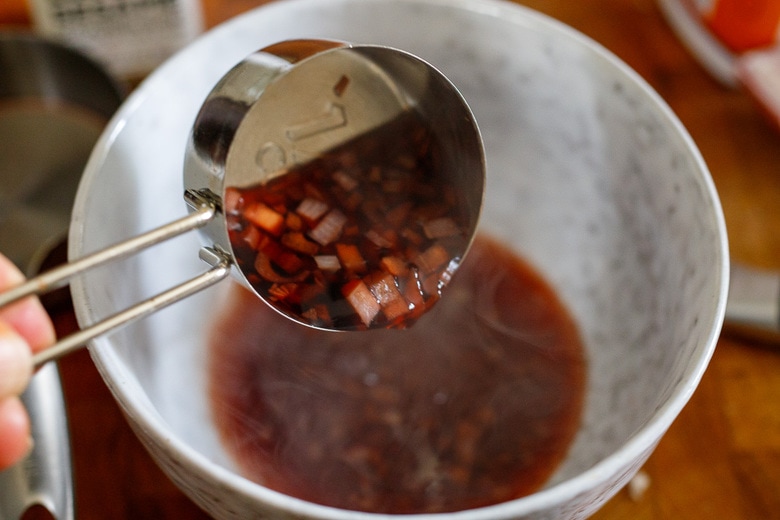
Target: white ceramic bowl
pixel 590 177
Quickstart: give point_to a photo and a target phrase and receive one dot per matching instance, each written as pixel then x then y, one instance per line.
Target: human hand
pixel 24 328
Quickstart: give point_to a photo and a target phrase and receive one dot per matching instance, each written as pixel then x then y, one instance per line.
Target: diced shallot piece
pixel 431 284
pixel 412 236
pixel 329 228
pixel 348 158
pixel 312 191
pixel 268 273
pixel 350 257
pixel 362 300
pixel 410 288
pixel 432 259
pixel 394 265
pixel 293 221
pixel 440 228
pixel 233 200
pixel 328 262
pixel 396 216
pixel 289 262
pixel 283 291
pixel 311 209
pixel 310 314
pixel 389 297
pixel 345 180
pixel 251 236
pixel 298 242
pixel 264 217
pixel 406 161
pixel 377 239
pixel 318 314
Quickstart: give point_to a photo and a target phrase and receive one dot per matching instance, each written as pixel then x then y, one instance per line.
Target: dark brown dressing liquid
pixel 475 405
pixel 365 236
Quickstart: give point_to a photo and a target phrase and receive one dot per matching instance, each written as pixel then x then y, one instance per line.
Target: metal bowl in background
pixel 54 104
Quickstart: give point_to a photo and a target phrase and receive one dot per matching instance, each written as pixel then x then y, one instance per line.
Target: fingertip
pixel 28 317
pixel 15 432
pixel 15 362
pixel 10 275
pixel 32 322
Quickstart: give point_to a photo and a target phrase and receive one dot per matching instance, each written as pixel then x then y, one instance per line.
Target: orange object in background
pixel 743 24
pixel 14 12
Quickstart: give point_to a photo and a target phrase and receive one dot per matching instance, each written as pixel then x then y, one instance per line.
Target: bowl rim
pixel 626 458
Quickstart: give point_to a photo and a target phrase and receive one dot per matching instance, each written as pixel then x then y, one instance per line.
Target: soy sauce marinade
pixel 474 405
pixel 364 236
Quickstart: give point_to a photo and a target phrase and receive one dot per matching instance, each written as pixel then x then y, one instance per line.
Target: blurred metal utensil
pixel 44 478
pixel 54 103
pixel 753 306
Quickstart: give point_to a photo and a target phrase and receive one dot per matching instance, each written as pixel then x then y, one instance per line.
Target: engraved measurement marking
pixel 334 117
pixel 271 157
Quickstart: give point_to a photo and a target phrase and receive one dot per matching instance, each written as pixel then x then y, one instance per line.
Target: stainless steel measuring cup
pixel 278 108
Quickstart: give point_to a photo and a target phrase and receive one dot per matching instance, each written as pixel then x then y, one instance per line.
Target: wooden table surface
pixel 720 459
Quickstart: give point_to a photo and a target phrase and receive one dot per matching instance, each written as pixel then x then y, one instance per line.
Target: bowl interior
pixel 590 177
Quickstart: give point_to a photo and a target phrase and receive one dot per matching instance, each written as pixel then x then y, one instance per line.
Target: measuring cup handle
pixel 220 269
pixel 205 210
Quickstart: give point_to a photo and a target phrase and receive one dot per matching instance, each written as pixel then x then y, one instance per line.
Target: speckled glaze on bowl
pixel 590 177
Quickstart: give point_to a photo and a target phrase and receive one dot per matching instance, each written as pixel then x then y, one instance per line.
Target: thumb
pixel 15 362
